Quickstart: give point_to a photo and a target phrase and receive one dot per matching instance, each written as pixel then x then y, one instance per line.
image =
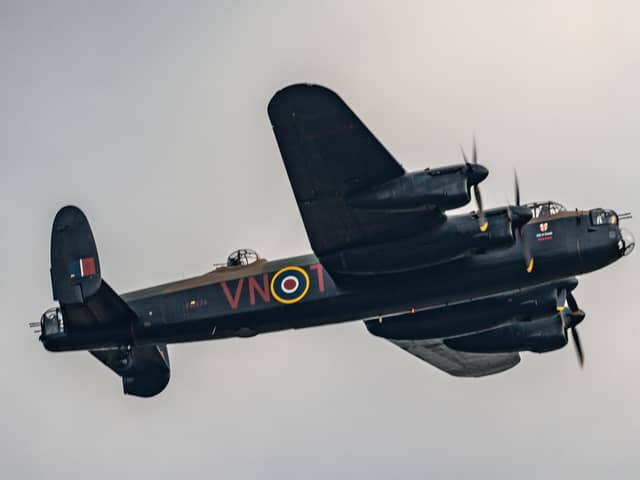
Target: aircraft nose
pixel 627 242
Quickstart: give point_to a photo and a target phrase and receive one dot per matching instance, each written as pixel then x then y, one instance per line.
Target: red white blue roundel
pixel 290 285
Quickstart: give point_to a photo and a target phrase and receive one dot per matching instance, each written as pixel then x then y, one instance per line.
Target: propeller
pixel 475 174
pixel 578 315
pixel 570 321
pixel 519 216
pixel 576 342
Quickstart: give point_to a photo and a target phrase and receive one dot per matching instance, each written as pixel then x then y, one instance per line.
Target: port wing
pixel 329 154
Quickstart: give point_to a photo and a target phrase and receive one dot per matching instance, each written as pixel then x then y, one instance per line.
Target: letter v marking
pixel 235 299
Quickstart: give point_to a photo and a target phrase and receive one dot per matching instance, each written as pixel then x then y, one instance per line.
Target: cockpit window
pixel 545 209
pixel 600 216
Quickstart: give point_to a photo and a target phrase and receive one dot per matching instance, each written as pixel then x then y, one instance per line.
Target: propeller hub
pixel 476 173
pixel 574 318
pixel 520 216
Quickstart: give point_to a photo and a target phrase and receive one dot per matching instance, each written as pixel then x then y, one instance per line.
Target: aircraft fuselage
pixel 298 292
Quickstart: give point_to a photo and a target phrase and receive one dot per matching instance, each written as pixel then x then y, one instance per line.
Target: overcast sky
pixel 151 116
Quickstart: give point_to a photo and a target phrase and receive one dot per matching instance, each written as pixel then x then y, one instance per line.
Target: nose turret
pixel 601 240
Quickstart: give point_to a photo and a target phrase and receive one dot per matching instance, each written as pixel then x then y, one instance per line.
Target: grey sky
pixel 151 116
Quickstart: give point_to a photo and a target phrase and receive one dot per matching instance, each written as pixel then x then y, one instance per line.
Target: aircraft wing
pixel 328 154
pixel 459 364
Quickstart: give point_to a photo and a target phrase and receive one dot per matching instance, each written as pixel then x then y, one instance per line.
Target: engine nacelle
pixel 539 335
pixel 476 315
pixel 445 188
pixel 454 238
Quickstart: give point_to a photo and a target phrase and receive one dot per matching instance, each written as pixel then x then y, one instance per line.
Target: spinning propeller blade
pixel 571 301
pixel 473 171
pixel 526 249
pixel 571 323
pixel 576 342
pixel 464 156
pixel 561 300
pixel 484 225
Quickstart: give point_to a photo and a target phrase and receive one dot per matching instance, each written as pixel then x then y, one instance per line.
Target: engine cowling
pixel 539 335
pixel 445 188
pixel 476 315
pixel 456 237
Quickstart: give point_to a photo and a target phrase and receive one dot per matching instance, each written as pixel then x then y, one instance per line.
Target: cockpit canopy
pixel 242 257
pixel 545 209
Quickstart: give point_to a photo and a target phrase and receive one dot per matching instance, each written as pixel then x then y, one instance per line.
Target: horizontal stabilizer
pixel 145 370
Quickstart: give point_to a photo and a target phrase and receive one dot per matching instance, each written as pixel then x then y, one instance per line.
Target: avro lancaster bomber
pixel 466 293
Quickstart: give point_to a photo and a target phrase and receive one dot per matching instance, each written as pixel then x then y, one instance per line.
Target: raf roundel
pixel 290 285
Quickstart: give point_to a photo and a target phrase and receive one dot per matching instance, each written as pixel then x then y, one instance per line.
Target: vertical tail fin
pixel 75 267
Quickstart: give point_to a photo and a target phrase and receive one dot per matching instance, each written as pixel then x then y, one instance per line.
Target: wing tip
pixel 300 97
